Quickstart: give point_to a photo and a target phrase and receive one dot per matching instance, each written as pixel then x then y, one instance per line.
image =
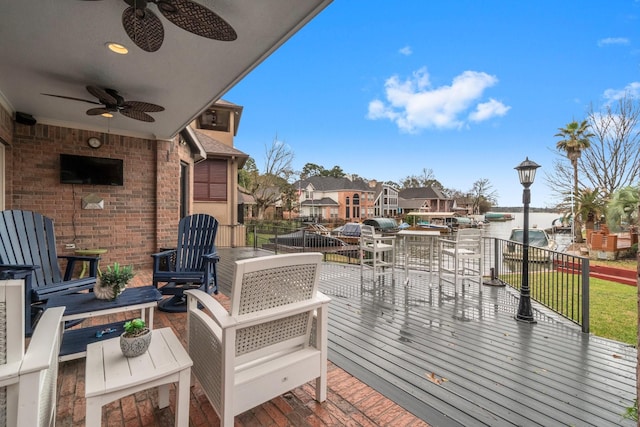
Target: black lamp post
pixel 526 173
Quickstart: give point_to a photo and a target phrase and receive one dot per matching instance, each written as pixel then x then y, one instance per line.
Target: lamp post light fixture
pixel 526 173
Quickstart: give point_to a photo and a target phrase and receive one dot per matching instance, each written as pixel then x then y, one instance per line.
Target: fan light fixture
pixel 117 48
pixel 146 31
pixel 110 102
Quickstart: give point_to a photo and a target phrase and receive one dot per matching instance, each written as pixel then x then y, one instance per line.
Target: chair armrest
pixel 218 313
pixel 212 257
pixel 9 373
pixel 71 263
pixel 17 271
pixel 166 253
pixel 45 340
pixel 163 255
pixel 18 267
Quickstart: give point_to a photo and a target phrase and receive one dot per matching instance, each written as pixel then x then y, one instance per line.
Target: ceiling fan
pixel 113 102
pixel 145 29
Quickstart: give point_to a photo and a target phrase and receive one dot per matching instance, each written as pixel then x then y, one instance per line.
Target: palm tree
pixel 591 206
pixel 623 208
pixel 575 138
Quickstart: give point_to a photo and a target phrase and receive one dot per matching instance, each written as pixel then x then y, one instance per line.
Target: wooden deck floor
pixel 465 361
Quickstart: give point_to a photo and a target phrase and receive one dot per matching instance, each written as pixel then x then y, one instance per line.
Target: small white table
pixel 418 238
pixel 111 376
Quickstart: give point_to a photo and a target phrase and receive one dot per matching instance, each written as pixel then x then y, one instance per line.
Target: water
pixel 502 229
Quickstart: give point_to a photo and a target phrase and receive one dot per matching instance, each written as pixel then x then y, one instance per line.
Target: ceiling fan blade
pixel 97 111
pixel 71 98
pixel 103 96
pixel 137 115
pixel 114 93
pixel 143 28
pixel 144 107
pixel 196 19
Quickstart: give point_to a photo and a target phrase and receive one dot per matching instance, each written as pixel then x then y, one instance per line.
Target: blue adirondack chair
pixel 28 251
pixel 191 265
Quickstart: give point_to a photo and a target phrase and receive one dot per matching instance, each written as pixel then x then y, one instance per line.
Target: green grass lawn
pixel 613 306
pixel 613 310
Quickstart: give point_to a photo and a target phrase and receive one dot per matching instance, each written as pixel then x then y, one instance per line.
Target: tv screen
pixel 90 170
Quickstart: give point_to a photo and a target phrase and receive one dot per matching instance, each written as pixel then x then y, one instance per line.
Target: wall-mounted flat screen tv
pixel 91 170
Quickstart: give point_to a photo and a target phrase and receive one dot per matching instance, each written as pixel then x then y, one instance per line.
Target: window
pixel 210 181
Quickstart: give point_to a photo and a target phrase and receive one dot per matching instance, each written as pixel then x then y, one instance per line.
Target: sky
pixel 467 89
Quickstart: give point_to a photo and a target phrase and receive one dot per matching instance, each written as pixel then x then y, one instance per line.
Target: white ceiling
pixel 58 47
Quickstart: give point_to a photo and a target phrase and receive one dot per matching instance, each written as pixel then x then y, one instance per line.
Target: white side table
pixel 110 376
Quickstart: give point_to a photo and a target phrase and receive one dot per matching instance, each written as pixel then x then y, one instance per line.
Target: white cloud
pixel 413 104
pixel 613 40
pixel 406 51
pixel 487 110
pixel 631 90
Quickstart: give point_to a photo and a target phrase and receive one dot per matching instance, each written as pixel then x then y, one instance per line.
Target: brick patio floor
pixel 349 401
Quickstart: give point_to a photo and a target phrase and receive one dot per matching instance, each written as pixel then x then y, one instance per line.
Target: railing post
pixel 585 295
pixel 494 271
pixel 255 237
pixel 496 261
pixel 304 240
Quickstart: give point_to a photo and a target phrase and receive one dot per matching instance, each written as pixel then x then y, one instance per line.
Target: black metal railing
pixel 557 280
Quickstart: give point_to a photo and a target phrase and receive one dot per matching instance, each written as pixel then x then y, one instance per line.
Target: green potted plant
pixel 113 281
pixel 136 338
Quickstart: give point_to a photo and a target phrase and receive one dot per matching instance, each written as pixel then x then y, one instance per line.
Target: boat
pixel 498 216
pixel 433 226
pixel 562 225
pixel 382 225
pixel 458 222
pixel 538 238
pixel 430 221
pixel 348 233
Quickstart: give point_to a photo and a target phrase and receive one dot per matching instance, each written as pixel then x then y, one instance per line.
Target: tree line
pixel 596 176
pixel 276 182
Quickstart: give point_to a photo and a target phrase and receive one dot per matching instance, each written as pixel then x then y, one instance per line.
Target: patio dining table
pixel 419 242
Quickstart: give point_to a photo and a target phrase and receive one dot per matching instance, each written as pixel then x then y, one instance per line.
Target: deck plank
pixel 499 372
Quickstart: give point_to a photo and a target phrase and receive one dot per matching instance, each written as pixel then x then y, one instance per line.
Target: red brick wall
pixel 138 217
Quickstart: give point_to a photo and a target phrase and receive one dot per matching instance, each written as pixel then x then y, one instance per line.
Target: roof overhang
pixel 58 47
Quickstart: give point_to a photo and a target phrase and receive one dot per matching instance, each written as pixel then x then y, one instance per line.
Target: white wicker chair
pixel 28 380
pixel 273 340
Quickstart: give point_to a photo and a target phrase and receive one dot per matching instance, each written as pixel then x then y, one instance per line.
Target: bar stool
pixel 377 253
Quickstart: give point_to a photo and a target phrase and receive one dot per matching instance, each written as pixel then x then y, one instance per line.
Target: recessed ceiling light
pixel 108 115
pixel 117 48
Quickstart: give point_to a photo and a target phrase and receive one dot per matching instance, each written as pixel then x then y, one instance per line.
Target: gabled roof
pixel 330 183
pixel 424 193
pixel 380 186
pixel 213 147
pixel 410 203
pixel 245 197
pixel 325 201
